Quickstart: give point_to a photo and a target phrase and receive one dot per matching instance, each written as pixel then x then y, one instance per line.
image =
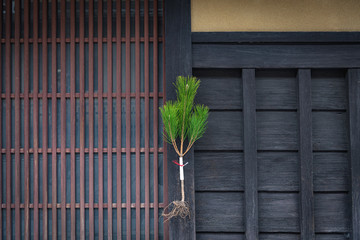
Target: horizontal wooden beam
pixel 275 56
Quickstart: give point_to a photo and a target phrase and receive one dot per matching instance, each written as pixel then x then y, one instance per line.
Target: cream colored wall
pixel 275 15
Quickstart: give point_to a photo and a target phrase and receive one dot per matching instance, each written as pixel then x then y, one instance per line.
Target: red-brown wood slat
pixel 72 119
pixel 109 118
pixel 36 118
pixel 53 123
pixel 118 118
pixel 137 117
pixel 91 121
pixel 8 118
pixel 82 121
pixel 147 120
pixel 100 121
pixel 128 122
pixel 45 118
pixel 165 162
pixel 156 104
pixel 17 119
pixel 63 118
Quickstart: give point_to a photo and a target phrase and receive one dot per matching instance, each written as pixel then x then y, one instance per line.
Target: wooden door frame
pixel 182 53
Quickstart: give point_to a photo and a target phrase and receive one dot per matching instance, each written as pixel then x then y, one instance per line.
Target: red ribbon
pixel 174 161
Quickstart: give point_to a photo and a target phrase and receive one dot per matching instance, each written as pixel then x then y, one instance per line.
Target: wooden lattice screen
pixel 81 155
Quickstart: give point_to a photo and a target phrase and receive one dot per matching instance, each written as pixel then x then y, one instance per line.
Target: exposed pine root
pixel 178 209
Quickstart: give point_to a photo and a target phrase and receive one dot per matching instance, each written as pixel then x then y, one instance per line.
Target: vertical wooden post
pixel 178 62
pixel 45 119
pixel 306 156
pixel 353 77
pixel 91 120
pixel 118 119
pixel 250 154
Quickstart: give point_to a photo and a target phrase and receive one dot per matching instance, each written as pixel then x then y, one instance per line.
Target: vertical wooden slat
pixel 63 118
pixel 17 119
pixel 118 117
pixel 1 130
pixel 72 119
pixel 109 116
pixel 165 163
pixel 306 156
pixel 82 122
pixel 250 151
pixel 353 77
pixel 128 124
pixel 36 117
pixel 8 118
pixel 137 110
pixel 53 123
pixel 91 121
pixel 100 122
pixel 156 121
pixel 147 119
pixel 45 118
pixel 26 120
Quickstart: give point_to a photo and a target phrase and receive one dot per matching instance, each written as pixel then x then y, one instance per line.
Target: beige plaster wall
pixel 275 15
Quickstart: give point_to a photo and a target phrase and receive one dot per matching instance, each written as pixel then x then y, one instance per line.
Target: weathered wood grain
pixel 329 89
pixel 219 171
pixel 276 89
pixel 278 171
pixel 333 236
pixel 279 236
pixel 275 56
pixel 331 171
pixel 279 212
pixel 224 132
pixel 332 212
pixel 330 131
pixel 220 88
pixel 220 236
pixel 277 130
pixel 219 211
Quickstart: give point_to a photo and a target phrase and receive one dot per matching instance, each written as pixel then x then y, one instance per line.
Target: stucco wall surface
pixel 275 15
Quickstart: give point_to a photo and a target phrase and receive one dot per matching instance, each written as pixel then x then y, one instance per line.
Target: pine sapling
pixel 183 121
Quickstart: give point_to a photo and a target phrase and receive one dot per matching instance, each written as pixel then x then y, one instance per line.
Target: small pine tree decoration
pixel 183 121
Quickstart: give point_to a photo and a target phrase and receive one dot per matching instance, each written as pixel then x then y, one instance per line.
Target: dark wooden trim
pixel 178 62
pixel 250 154
pixel 275 56
pixel 275 37
pixel 307 223
pixel 354 116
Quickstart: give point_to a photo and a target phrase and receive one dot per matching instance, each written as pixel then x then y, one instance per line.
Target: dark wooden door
pixel 279 157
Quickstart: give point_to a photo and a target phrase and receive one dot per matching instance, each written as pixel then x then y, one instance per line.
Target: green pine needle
pixel 181 118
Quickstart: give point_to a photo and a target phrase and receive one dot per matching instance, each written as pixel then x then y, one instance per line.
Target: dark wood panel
pixel 279 212
pixel 277 130
pixel 279 236
pixel 219 171
pixel 328 89
pixel 331 171
pixel 220 236
pixel 332 212
pixel 275 37
pixel 224 132
pixel 276 89
pixel 220 88
pixel 275 56
pixel 344 236
pixel 219 211
pixel 177 16
pixel 330 130
pixel 278 171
